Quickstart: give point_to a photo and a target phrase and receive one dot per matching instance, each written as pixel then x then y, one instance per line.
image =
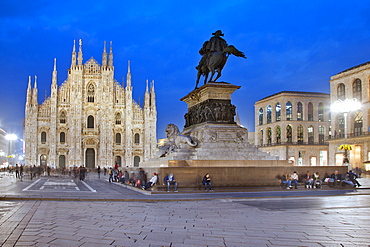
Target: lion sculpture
pixel 175 140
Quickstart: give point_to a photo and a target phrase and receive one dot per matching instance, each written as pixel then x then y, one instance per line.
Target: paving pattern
pixel 239 222
pixel 340 220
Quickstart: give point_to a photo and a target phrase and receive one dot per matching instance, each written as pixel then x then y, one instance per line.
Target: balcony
pixel 294 144
pixel 349 135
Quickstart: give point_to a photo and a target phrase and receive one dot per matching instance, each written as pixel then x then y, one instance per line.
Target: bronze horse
pixel 215 62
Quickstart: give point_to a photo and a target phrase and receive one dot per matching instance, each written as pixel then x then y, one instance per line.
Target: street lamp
pixel 10 138
pixel 345 106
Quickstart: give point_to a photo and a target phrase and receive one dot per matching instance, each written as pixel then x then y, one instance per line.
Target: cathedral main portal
pixel 90 158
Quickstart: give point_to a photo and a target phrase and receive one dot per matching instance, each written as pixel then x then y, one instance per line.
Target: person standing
pixel 16 171
pixel 110 173
pixel 82 173
pixel 98 170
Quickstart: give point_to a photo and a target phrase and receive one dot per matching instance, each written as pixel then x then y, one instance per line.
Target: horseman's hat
pixel 218 33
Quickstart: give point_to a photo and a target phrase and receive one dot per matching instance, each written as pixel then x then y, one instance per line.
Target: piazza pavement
pixel 60 211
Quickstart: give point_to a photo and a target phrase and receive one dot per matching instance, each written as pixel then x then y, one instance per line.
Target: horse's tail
pixel 232 50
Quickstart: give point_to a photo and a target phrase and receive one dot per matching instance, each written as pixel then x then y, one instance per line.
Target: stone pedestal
pixel 210 103
pixel 210 120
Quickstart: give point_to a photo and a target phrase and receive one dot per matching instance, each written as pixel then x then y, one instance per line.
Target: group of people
pixel 139 179
pixel 315 180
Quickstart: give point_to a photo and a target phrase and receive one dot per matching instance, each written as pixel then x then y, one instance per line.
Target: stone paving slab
pixel 189 223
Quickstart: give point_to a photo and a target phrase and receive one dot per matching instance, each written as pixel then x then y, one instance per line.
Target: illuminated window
pixel 268 114
pixel 300 134
pixel 278 135
pixel 289 134
pixel 299 111
pixel 278 112
pixel 288 109
pixel 260 116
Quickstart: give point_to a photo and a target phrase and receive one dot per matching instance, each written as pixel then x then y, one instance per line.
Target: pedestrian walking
pixel 98 171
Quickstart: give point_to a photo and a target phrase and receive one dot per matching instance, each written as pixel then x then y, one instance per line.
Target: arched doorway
pixel 43 160
pixel 118 161
pixel 90 158
pixel 136 161
pixel 62 161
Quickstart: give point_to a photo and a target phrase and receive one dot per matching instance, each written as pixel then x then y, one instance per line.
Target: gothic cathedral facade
pixel 90 119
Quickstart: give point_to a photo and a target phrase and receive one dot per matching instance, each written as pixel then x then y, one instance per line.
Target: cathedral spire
pixel 29 90
pixel 128 82
pixel 104 62
pixel 35 85
pixel 146 97
pixel 152 97
pixel 110 63
pixel 80 53
pixel 73 63
pixel 54 79
pixel 34 93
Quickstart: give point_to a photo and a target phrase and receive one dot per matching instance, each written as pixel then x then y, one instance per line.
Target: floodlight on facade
pixel 345 106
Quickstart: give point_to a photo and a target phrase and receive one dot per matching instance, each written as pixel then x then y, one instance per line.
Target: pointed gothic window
pixel 118 138
pixel 90 93
pixel 43 137
pixel 90 122
pixel 62 137
pixel 137 138
pixel 62 117
pixel 118 118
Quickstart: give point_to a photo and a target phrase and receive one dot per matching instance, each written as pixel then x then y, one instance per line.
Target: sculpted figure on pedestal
pixel 214 56
pixel 174 141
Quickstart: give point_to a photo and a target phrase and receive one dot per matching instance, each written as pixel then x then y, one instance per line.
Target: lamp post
pixel 10 138
pixel 345 106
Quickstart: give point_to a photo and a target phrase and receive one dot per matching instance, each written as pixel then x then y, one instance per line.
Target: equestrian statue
pixel 214 56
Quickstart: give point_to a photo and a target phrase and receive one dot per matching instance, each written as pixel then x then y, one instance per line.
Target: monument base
pixel 223 142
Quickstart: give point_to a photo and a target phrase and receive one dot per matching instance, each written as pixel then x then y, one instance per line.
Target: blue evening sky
pixel 291 45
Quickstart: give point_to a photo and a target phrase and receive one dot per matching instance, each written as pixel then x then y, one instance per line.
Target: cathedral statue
pixel 215 53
